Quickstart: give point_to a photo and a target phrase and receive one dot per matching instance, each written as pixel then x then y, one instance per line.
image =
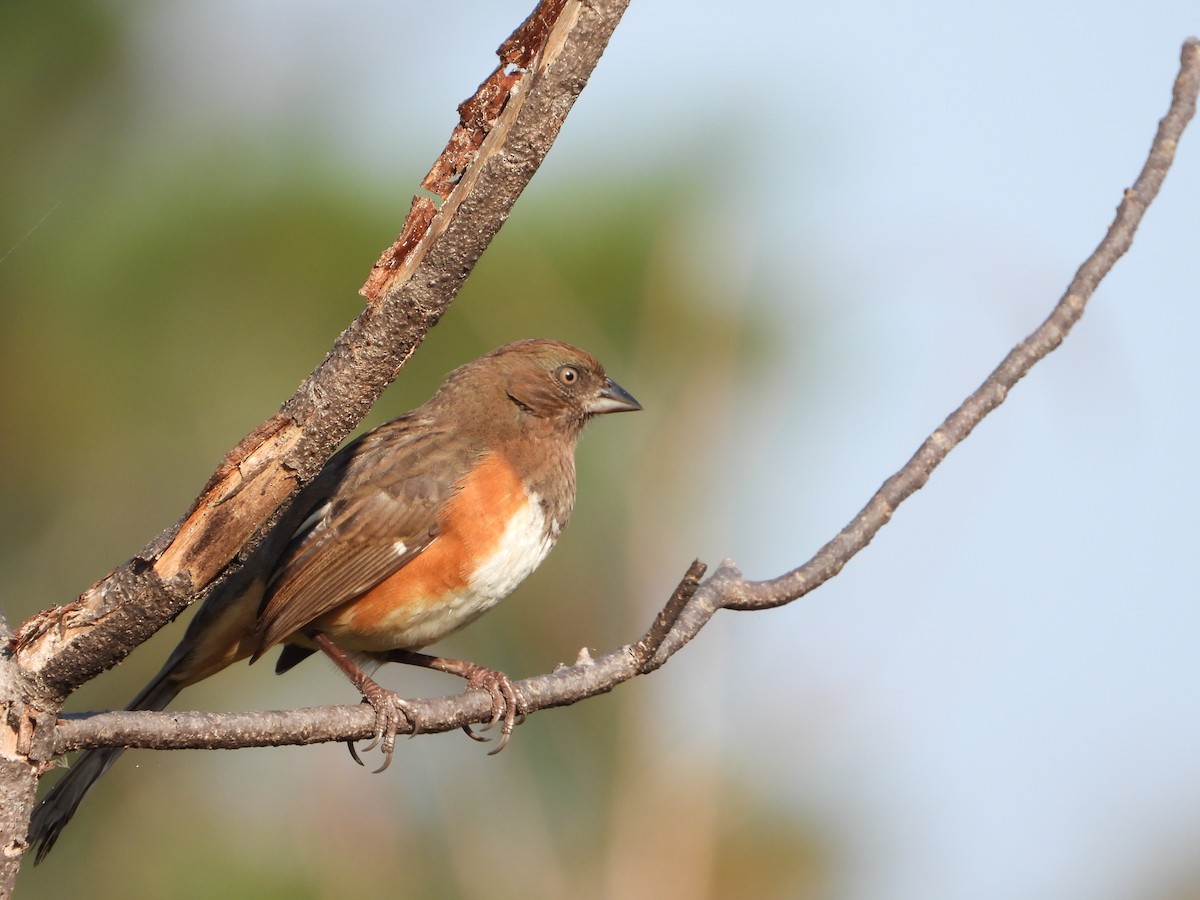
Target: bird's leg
pixel 507 704
pixel 389 708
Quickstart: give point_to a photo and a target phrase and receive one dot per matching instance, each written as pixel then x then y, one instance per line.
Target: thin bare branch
pixel 225 731
pixel 691 606
pixel 830 559
pixel 646 650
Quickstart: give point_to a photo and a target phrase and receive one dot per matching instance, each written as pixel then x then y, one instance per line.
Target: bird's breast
pixel 493 533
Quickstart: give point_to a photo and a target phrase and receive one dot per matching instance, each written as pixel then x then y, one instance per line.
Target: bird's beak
pixel 612 398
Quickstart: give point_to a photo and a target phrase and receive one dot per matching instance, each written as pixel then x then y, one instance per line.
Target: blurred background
pixel 799 233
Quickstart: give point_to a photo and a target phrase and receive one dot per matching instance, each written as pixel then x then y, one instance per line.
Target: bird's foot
pixel 391 712
pixel 507 706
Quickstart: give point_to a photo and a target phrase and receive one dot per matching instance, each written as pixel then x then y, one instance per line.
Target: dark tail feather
pixel 58 806
pixel 291 655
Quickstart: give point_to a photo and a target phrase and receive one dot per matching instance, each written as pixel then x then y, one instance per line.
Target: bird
pixel 408 533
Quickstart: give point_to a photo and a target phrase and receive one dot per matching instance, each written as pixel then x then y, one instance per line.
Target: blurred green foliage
pixel 158 298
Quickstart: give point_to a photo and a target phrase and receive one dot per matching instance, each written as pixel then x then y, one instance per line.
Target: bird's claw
pixel 508 708
pixel 390 713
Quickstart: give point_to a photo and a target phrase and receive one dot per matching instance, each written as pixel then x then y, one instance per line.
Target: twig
pixel 226 731
pixel 645 650
pixel 830 559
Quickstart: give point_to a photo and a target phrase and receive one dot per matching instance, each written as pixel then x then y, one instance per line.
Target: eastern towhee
pixel 407 534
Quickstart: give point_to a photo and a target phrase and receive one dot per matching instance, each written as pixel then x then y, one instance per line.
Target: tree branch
pixel 505 131
pixel 735 593
pixel 693 603
pixel 227 731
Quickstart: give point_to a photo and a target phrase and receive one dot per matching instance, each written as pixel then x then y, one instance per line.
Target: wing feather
pixel 381 513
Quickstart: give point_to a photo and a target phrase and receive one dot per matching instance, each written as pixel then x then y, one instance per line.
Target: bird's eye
pixel 568 375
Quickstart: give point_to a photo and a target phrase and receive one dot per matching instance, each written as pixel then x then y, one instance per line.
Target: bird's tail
pixel 58 806
pixel 220 634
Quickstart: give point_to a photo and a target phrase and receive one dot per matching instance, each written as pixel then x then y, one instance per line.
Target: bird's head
pixel 538 379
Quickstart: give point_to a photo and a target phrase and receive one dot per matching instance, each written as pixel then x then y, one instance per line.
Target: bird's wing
pixel 382 512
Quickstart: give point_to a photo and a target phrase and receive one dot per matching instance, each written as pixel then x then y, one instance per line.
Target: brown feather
pixel 396 480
